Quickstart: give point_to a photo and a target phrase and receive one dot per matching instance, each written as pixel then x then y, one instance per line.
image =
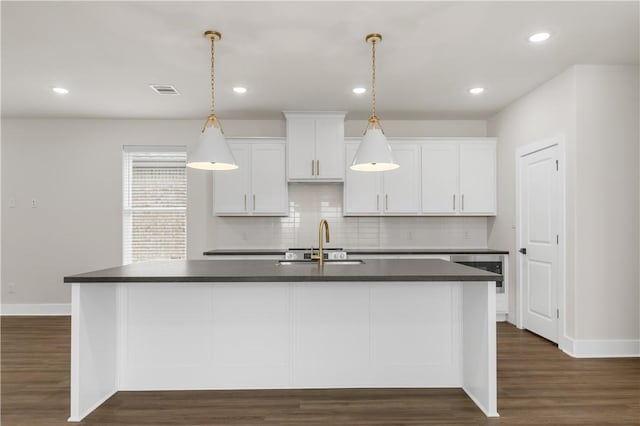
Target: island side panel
pixel 291 335
pixel 479 345
pixel 93 347
pixel 205 336
pixel 377 334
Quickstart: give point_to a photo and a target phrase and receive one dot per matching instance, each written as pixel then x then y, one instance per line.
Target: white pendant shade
pixel 374 153
pixel 211 152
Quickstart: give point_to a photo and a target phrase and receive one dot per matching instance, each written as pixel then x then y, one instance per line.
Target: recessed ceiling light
pixel 359 90
pixel 60 90
pixel 476 90
pixel 539 37
pixel 240 89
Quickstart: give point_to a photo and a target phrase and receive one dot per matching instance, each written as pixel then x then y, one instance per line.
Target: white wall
pixel 595 107
pixel 606 274
pixel 547 111
pixel 73 168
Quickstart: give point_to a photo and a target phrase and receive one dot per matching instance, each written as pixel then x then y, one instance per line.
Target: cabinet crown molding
pixel 314 114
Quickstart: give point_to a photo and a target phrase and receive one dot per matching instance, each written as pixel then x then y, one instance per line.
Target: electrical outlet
pixel 466 235
pixel 34 203
pixel 410 236
pixel 12 288
pixel 12 203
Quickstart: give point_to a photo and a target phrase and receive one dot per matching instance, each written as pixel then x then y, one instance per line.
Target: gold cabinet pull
pixel 245 202
pixel 462 201
pixel 454 202
pixel 377 201
pixel 317 167
pixel 386 201
pixel 254 201
pixel 313 172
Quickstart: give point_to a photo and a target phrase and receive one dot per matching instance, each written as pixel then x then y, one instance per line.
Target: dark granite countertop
pixel 357 251
pixel 185 271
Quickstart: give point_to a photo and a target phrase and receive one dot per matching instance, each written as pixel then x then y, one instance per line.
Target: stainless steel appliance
pixel 298 253
pixel 491 263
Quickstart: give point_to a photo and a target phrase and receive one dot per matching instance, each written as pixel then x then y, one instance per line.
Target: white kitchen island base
pixel 271 335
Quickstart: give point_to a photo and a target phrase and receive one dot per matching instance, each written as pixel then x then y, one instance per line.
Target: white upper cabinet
pixel 459 178
pixel 402 186
pixel 231 188
pixel 440 178
pixel 396 192
pixel 315 146
pixel 437 177
pixel 268 179
pixel 361 189
pixel 478 178
pixel 258 186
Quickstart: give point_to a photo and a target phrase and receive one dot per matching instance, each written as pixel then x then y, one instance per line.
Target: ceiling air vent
pixel 164 89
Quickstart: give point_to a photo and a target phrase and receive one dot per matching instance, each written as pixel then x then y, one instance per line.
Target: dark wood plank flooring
pixel 537 385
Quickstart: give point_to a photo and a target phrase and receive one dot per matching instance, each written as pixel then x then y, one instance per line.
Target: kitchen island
pixel 259 324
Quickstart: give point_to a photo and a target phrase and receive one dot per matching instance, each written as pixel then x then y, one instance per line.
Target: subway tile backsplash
pixel 311 202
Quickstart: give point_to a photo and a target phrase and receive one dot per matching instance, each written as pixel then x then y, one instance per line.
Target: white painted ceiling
pixel 297 56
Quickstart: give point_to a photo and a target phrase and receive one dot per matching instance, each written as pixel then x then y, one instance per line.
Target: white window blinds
pixel 154 203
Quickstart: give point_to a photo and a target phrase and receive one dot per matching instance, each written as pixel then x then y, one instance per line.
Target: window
pixel 155 203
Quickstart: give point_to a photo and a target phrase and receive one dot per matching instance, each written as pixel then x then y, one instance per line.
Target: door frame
pixel 559 141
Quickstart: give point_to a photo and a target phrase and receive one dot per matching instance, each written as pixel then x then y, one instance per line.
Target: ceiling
pixel 297 55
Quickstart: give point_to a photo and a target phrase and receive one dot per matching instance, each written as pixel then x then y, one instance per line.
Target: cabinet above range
pixel 315 146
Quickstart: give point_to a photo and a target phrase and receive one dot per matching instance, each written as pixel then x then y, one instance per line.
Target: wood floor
pixel 537 385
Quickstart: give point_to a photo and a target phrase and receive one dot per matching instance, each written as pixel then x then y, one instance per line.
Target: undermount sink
pixel 326 262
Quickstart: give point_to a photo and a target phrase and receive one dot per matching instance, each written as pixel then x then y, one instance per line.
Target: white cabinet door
pixel 329 149
pixel 361 189
pixel 301 140
pixel 316 146
pixel 231 187
pixel 478 178
pixel 268 181
pixel 402 185
pixel 440 178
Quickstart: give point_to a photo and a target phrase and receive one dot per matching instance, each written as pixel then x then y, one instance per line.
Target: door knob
pixel 523 250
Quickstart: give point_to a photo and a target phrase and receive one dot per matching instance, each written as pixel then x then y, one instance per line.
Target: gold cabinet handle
pixel 313 172
pixel 462 201
pixel 377 201
pixel 254 201
pixel 386 201
pixel 454 201
pixel 317 167
pixel 245 202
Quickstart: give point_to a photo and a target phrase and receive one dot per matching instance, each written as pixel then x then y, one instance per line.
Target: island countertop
pixel 194 271
pixel 360 251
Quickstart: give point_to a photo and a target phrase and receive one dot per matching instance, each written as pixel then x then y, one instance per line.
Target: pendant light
pixel 374 153
pixel 212 151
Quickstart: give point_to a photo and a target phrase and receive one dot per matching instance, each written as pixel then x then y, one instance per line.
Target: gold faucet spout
pixel 323 224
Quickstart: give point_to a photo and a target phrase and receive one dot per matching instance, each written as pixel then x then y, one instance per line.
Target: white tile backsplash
pixel 311 202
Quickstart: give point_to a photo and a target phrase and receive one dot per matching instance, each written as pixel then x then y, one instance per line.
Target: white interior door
pixel 539 241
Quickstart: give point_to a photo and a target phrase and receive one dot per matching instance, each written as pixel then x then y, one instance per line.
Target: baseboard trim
pixel 35 309
pixel 578 348
pixel 502 317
